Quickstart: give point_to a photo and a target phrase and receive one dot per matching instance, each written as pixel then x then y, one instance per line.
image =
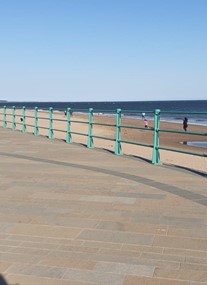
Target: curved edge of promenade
pixel 72 215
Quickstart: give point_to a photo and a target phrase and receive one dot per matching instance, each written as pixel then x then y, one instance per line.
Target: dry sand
pixel 143 136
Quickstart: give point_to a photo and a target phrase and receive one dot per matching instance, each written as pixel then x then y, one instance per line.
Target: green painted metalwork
pixel 81 134
pixel 51 134
pixel 181 132
pixel 23 119
pixel 139 144
pixel 13 118
pixel 107 125
pixel 137 128
pixel 68 135
pixel 156 152
pixel 118 150
pixel 183 151
pixel 75 121
pixel 5 121
pixel 105 138
pixel 36 127
pixel 156 147
pixel 90 129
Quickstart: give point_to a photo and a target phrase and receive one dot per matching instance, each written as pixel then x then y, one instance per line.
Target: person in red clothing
pixel 146 123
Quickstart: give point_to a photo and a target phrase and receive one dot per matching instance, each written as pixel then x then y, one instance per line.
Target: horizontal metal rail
pixel 135 143
pixel 183 151
pixel 43 118
pixel 77 133
pixel 78 122
pixel 104 138
pixel 137 128
pixel 8 117
pixel 45 128
pixel 183 133
pixel 102 124
pixel 58 130
pixel 60 120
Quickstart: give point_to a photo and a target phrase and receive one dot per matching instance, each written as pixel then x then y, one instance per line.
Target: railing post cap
pixel 51 108
pixel 118 110
pixel 157 111
pixel 90 109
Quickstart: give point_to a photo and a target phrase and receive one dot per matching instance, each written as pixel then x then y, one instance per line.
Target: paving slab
pixel 73 215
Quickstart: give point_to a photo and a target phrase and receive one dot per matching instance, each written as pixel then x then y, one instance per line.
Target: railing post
pixel 51 134
pixel 13 119
pixel 90 129
pixel 5 121
pixel 36 127
pixel 23 119
pixel 68 136
pixel 156 152
pixel 118 150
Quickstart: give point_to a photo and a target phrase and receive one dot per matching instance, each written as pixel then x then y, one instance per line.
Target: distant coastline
pixel 171 111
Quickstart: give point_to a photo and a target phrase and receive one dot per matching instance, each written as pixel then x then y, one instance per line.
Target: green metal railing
pixel 9 119
pixel 183 133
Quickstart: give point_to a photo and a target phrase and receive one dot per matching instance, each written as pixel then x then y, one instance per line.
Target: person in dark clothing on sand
pixel 185 124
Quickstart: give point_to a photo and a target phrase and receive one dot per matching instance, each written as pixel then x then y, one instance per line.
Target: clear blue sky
pixel 103 50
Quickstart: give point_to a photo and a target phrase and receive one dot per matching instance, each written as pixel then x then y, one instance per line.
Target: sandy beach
pixel 143 136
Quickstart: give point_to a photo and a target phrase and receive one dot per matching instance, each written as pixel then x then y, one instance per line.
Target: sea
pixel 171 111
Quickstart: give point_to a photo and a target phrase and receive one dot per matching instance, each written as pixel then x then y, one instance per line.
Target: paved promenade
pixel 76 216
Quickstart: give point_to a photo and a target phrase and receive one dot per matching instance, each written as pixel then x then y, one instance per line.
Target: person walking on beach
pixel 143 116
pixel 146 123
pixel 185 124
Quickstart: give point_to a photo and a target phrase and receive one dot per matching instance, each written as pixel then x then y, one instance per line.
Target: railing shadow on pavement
pixel 196 172
pixel 4 282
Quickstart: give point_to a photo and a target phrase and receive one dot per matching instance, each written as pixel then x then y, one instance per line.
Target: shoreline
pixel 132 117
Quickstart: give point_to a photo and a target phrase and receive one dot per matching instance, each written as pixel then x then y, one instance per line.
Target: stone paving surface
pixel 73 215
